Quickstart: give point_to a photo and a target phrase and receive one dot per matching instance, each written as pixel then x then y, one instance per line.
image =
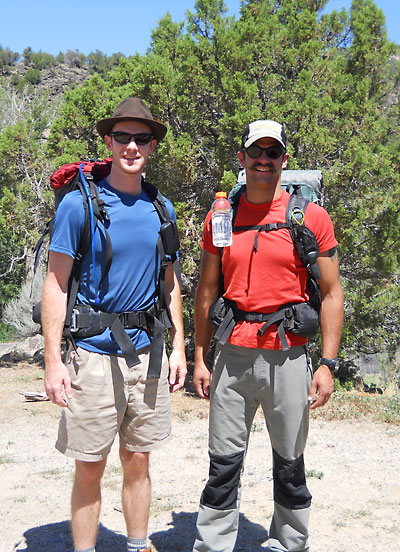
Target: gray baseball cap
pixel 264 129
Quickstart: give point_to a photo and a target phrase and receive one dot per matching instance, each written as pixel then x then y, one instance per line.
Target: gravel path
pixel 353 470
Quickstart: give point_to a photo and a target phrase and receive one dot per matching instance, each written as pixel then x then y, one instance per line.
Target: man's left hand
pixel 177 370
pixel 321 387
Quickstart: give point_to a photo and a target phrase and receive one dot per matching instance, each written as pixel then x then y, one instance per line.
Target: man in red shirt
pixel 251 368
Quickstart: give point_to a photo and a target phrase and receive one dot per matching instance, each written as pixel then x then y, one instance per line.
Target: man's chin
pixel 132 168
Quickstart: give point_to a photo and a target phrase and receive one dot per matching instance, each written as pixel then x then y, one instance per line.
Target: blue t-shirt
pixel 132 280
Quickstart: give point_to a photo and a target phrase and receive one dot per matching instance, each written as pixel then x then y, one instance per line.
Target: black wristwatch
pixel 332 363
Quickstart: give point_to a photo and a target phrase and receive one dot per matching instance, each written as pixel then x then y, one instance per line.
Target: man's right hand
pixel 201 380
pixel 56 380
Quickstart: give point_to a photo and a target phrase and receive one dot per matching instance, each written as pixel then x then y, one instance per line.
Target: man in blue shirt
pixel 102 394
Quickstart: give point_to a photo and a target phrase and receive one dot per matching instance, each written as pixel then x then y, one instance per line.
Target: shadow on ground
pixel 181 536
pixel 56 537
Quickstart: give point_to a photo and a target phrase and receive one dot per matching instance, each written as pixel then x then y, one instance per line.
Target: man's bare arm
pixel 54 304
pixel 177 359
pixel 206 293
pixel 331 325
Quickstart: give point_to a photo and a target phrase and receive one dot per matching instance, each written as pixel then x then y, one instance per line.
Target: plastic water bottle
pixel 221 220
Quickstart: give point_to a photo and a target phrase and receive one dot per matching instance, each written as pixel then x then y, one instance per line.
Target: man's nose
pixel 264 156
pixel 132 144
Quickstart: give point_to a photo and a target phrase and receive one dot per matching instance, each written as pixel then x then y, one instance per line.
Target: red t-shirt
pixel 263 281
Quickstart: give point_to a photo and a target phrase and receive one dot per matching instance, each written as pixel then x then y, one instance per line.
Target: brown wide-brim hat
pixel 132 109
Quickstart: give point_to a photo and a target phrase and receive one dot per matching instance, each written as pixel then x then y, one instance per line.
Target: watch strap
pixel 332 363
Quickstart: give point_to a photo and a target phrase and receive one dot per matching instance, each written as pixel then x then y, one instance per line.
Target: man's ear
pixel 285 160
pixel 153 145
pixel 240 155
pixel 107 141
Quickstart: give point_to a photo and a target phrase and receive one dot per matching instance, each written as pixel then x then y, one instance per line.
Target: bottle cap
pixel 220 194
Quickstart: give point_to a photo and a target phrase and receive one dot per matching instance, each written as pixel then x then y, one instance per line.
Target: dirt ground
pixel 352 466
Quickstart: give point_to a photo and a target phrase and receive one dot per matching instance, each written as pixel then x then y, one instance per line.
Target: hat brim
pixel 258 136
pixel 105 126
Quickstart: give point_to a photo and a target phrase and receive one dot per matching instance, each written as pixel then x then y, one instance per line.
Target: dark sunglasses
pixel 273 152
pixel 140 139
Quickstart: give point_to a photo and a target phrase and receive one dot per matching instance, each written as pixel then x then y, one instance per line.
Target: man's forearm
pixel 57 379
pixel 205 297
pixel 331 323
pixel 174 302
pixel 176 332
pixel 54 303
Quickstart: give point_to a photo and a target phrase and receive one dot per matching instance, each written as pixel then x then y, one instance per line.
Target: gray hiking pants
pixel 242 379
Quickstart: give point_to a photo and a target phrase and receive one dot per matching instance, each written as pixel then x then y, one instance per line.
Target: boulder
pixel 30 350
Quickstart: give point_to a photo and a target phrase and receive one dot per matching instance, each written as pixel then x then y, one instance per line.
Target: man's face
pixel 130 158
pixel 263 168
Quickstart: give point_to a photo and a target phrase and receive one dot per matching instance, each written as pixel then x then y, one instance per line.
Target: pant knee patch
pixel 221 490
pixel 290 489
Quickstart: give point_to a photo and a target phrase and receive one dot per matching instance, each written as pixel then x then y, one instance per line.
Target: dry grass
pixel 187 406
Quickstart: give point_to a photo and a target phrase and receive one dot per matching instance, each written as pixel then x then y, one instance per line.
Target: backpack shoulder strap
pixel 167 245
pixel 95 211
pixel 296 212
pixel 303 238
pixel 157 200
pixel 234 198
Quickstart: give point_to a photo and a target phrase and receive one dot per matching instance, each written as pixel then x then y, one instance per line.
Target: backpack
pixel 307 184
pixel 84 320
pixel 302 318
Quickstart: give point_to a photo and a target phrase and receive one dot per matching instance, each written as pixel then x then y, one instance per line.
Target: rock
pixel 31 349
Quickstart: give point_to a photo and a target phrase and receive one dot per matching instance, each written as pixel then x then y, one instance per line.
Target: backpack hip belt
pixel 298 318
pixel 87 322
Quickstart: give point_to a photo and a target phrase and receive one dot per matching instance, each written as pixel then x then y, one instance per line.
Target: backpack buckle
pixel 74 320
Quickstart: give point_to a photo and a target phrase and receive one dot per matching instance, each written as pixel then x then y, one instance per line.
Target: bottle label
pixel 222 228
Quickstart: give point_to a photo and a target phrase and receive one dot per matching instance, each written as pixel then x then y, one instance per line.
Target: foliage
pixel 32 76
pixel 40 60
pixel 346 386
pixel 73 135
pixel 346 405
pixel 332 79
pixel 6 332
pixel 23 202
pixel 99 63
pixel 7 57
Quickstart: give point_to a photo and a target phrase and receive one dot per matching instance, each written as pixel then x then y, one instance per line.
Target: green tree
pixel 24 200
pixel 27 54
pixel 74 58
pixel 73 135
pixel 331 78
pixel 40 60
pixel 99 63
pixel 7 57
pixel 32 76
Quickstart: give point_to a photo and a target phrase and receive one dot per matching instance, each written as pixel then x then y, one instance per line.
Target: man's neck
pixel 125 183
pixel 263 192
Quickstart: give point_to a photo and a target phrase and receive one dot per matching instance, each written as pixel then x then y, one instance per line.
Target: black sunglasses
pixel 140 139
pixel 273 152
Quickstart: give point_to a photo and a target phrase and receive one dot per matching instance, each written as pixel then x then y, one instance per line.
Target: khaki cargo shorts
pixel 108 398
